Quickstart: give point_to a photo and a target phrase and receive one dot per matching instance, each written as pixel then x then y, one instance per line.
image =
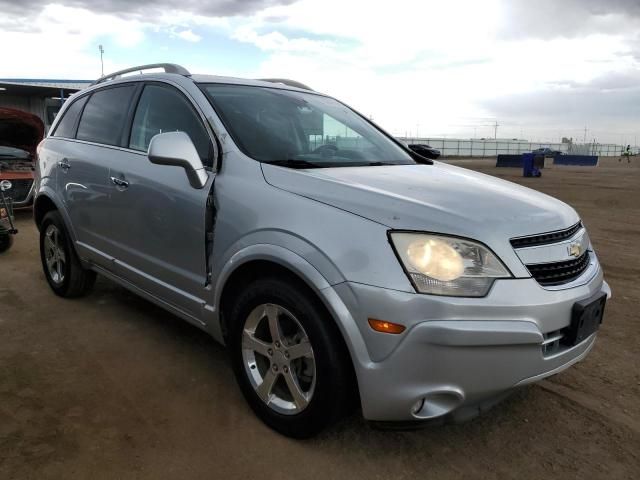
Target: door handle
pixel 119 182
pixel 64 164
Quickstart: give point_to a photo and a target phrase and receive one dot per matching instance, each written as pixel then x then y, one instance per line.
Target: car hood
pixel 433 198
pixel 20 130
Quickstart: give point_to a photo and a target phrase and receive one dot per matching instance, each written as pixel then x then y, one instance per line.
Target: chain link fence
pixel 452 147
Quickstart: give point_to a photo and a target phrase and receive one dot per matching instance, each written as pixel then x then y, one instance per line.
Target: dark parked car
pixel 425 150
pixel 547 152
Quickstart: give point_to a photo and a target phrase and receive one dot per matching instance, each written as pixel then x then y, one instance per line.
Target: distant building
pixel 39 97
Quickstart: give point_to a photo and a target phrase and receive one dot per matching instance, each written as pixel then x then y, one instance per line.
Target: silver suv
pixel 340 267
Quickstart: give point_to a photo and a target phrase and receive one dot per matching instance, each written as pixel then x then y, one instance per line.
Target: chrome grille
pixel 557 273
pixel 545 238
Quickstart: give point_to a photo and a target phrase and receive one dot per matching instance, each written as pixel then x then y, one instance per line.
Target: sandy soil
pixel 110 386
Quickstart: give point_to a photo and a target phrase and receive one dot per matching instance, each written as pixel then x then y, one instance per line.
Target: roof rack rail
pixel 168 68
pixel 284 81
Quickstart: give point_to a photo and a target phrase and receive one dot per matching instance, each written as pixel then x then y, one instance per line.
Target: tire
pixel 328 391
pixel 66 277
pixel 6 240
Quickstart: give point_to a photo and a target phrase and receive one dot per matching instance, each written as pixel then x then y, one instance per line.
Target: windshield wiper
pixel 293 163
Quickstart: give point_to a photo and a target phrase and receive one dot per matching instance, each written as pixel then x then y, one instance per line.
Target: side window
pixel 164 109
pixel 67 125
pixel 104 115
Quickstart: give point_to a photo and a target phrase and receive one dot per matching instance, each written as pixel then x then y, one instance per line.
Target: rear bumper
pixel 457 355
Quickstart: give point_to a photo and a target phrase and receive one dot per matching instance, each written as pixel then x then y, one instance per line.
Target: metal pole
pixel 101 61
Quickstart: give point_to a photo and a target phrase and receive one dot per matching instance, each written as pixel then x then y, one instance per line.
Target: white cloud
pixel 437 67
pixel 277 42
pixel 56 45
pixel 428 66
pixel 189 36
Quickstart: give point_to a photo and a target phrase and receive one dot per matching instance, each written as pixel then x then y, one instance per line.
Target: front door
pixel 159 222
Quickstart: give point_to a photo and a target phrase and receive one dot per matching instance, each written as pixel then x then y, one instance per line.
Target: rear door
pixel 84 150
pixel 158 219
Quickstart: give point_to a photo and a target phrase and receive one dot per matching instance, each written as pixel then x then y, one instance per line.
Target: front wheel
pixel 288 358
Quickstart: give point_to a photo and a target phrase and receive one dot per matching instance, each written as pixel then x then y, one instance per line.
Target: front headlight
pixel 442 265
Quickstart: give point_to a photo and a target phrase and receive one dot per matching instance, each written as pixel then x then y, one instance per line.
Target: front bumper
pixel 24 188
pixel 457 354
pixel 26 201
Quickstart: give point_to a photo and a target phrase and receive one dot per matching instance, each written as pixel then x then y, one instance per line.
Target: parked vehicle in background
pixel 20 133
pixel 336 272
pixel 7 228
pixel 546 151
pixel 425 150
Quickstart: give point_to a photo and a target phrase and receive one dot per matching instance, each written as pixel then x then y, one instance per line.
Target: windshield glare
pixel 301 130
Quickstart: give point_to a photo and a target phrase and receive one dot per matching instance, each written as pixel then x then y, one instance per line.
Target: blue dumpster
pixel 528 166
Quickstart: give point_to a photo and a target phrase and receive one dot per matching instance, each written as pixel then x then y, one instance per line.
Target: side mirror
pixel 5 185
pixel 177 149
pixel 418 155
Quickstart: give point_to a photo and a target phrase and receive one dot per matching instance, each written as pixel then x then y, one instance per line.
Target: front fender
pixel 307 272
pixel 272 253
pixel 265 252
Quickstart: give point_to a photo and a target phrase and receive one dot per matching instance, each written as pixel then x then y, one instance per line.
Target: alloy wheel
pixel 55 258
pixel 278 359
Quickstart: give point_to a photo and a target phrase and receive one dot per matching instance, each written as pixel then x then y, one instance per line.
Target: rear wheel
pixel 288 358
pixel 61 265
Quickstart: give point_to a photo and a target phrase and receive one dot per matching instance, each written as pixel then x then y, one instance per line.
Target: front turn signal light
pixel 386 327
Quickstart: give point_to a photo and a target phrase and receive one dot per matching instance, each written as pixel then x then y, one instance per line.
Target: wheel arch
pixel 262 259
pixel 44 202
pixel 42 205
pixel 268 260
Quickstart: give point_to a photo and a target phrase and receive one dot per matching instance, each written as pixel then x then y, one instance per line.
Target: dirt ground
pixel 110 386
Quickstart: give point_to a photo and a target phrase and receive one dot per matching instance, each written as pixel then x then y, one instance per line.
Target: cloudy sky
pixel 542 69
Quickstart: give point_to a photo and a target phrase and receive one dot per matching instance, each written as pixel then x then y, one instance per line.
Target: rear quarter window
pixel 104 115
pixel 67 126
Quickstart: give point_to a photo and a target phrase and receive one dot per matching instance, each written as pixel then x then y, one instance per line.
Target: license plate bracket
pixel 586 317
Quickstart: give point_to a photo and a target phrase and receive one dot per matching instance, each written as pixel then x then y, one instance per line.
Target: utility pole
pixel 495 130
pixel 101 61
pixel 585 135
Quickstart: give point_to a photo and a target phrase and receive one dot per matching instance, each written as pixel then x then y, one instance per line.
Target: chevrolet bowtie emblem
pixel 575 249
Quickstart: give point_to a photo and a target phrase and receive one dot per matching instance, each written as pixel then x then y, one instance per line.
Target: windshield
pixel 14 159
pixel 300 130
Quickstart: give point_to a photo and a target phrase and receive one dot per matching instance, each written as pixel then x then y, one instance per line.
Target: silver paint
pixel 330 228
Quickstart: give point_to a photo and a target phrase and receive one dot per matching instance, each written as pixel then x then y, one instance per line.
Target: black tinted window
pixel 104 115
pixel 163 109
pixel 66 127
pixel 301 129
